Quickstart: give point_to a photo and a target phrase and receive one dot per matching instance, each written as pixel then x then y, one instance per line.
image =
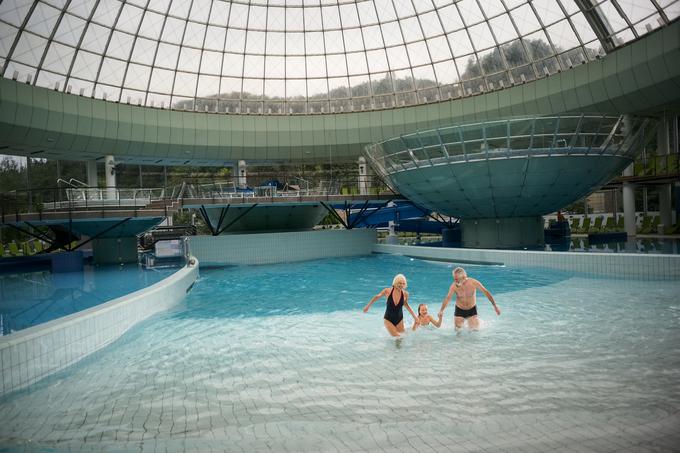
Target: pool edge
pixel 621 265
pixel 32 354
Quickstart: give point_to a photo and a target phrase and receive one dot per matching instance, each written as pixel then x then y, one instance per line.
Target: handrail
pixel 69 198
pixel 59 180
pixel 80 183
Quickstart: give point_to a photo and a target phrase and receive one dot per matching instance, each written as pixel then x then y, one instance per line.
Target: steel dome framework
pixel 306 57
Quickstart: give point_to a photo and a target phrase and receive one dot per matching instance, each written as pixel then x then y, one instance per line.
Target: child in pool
pixel 424 319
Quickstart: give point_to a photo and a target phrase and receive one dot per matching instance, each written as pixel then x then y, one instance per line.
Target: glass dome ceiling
pixel 308 56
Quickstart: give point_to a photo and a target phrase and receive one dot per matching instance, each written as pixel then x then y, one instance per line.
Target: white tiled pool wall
pixel 270 248
pixel 623 265
pixel 34 353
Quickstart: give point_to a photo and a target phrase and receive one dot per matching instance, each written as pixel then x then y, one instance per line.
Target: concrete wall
pixel 34 353
pixel 270 248
pixel 621 265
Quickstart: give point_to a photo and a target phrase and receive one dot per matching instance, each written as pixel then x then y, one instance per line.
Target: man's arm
pixel 488 296
pixel 438 322
pixel 446 300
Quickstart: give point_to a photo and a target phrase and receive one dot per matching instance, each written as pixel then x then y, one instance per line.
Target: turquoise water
pixel 32 298
pixel 281 358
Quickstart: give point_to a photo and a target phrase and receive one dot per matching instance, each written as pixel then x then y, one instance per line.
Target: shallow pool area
pixel 281 358
pixel 32 298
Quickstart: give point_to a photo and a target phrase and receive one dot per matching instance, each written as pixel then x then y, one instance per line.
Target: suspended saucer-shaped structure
pixel 500 177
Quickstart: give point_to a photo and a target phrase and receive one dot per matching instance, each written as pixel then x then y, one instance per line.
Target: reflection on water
pixel 582 244
pixel 31 298
pixel 639 245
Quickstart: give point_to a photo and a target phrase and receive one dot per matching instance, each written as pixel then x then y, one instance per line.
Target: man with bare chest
pixel 465 289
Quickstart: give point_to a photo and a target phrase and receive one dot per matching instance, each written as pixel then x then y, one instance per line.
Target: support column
pixel 665 190
pixel 110 171
pixel 677 201
pixel 242 175
pixel 629 203
pixel 615 194
pixel 392 237
pixel 28 181
pixel 364 183
pixel 665 209
pixel 91 168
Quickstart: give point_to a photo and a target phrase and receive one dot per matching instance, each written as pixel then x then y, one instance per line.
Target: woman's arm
pixel 376 297
pixel 408 307
pixel 416 323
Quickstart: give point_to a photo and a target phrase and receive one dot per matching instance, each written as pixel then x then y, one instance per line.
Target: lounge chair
pixel 14 249
pixel 651 224
pixel 597 226
pixel 646 225
pixel 28 248
pixel 610 225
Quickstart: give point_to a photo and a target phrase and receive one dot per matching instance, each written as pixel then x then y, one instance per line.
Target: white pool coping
pixel 31 354
pixel 641 266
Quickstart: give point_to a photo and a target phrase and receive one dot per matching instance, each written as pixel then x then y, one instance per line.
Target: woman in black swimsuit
pixel 397 298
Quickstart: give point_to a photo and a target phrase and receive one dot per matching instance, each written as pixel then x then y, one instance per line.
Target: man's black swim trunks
pixel 465 313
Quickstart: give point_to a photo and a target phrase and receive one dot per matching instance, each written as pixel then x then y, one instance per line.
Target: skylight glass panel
pixel 307 51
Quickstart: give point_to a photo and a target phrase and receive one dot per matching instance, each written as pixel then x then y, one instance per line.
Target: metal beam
pixel 598 23
pixel 237 219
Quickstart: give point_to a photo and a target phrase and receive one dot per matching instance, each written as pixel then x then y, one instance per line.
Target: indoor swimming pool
pixel 282 358
pixel 31 298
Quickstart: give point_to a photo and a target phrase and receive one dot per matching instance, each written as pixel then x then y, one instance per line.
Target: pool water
pixel 281 358
pixel 31 298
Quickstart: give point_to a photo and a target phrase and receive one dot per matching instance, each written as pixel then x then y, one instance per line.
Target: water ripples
pixel 264 364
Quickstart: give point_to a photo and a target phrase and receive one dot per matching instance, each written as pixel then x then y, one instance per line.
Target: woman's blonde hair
pixel 398 278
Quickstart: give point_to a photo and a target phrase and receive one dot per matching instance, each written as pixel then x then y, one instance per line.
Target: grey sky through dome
pixel 322 56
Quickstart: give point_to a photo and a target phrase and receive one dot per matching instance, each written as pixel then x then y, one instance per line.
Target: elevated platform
pixel 292 199
pixel 223 212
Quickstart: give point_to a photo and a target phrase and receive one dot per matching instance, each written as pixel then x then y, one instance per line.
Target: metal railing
pixel 72 198
pixel 514 137
pixel 68 199
pixel 295 187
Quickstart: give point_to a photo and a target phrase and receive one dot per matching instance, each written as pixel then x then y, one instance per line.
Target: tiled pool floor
pixel 573 364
